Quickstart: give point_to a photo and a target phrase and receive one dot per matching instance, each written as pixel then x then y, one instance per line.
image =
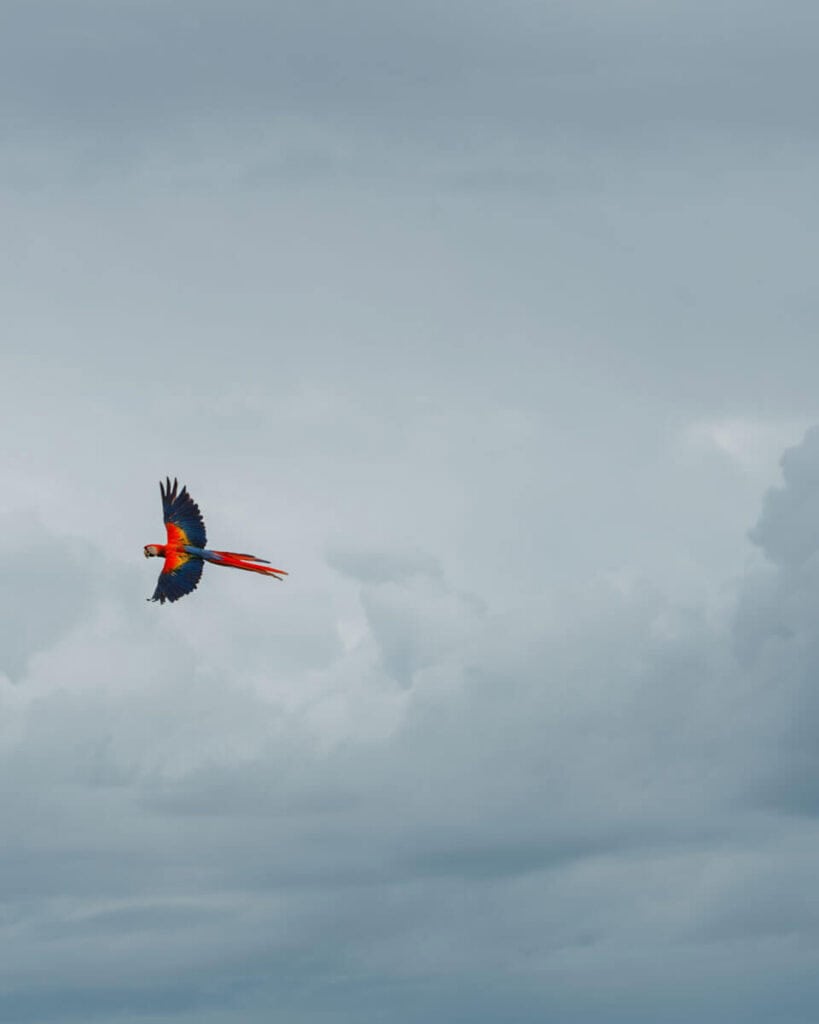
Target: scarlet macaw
pixel 185 552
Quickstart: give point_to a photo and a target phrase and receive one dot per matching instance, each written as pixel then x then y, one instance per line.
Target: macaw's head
pixel 152 551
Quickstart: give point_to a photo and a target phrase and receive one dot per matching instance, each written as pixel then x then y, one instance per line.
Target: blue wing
pixel 175 583
pixel 181 512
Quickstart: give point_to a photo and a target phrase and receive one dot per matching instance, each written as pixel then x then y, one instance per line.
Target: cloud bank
pixel 452 810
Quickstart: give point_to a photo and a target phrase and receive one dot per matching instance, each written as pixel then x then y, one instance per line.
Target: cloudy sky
pixel 496 325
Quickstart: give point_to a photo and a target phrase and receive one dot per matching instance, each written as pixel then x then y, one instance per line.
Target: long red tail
pixel 249 562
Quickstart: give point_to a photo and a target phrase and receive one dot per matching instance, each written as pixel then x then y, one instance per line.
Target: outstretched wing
pixel 180 575
pixel 183 520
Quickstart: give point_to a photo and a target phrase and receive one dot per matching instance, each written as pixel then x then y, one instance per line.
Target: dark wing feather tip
pixel 179 508
pixel 172 585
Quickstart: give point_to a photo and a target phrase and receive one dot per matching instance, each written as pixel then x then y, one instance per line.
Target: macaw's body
pixel 184 551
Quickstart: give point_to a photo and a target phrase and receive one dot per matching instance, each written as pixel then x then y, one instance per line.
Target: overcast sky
pixel 496 325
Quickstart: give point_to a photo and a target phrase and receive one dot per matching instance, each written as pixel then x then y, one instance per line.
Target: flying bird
pixel 185 553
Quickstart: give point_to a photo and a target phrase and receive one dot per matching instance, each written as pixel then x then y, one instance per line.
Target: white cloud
pixel 754 446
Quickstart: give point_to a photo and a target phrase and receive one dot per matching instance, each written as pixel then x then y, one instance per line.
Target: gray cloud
pixel 519 757
pixel 775 634
pixel 787 530
pixel 560 69
pixel 546 788
pixel 383 566
pixel 45 590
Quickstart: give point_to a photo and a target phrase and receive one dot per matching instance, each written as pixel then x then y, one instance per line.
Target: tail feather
pixel 248 562
pixel 250 558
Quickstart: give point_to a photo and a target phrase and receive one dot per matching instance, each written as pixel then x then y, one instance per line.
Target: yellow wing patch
pixel 174 559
